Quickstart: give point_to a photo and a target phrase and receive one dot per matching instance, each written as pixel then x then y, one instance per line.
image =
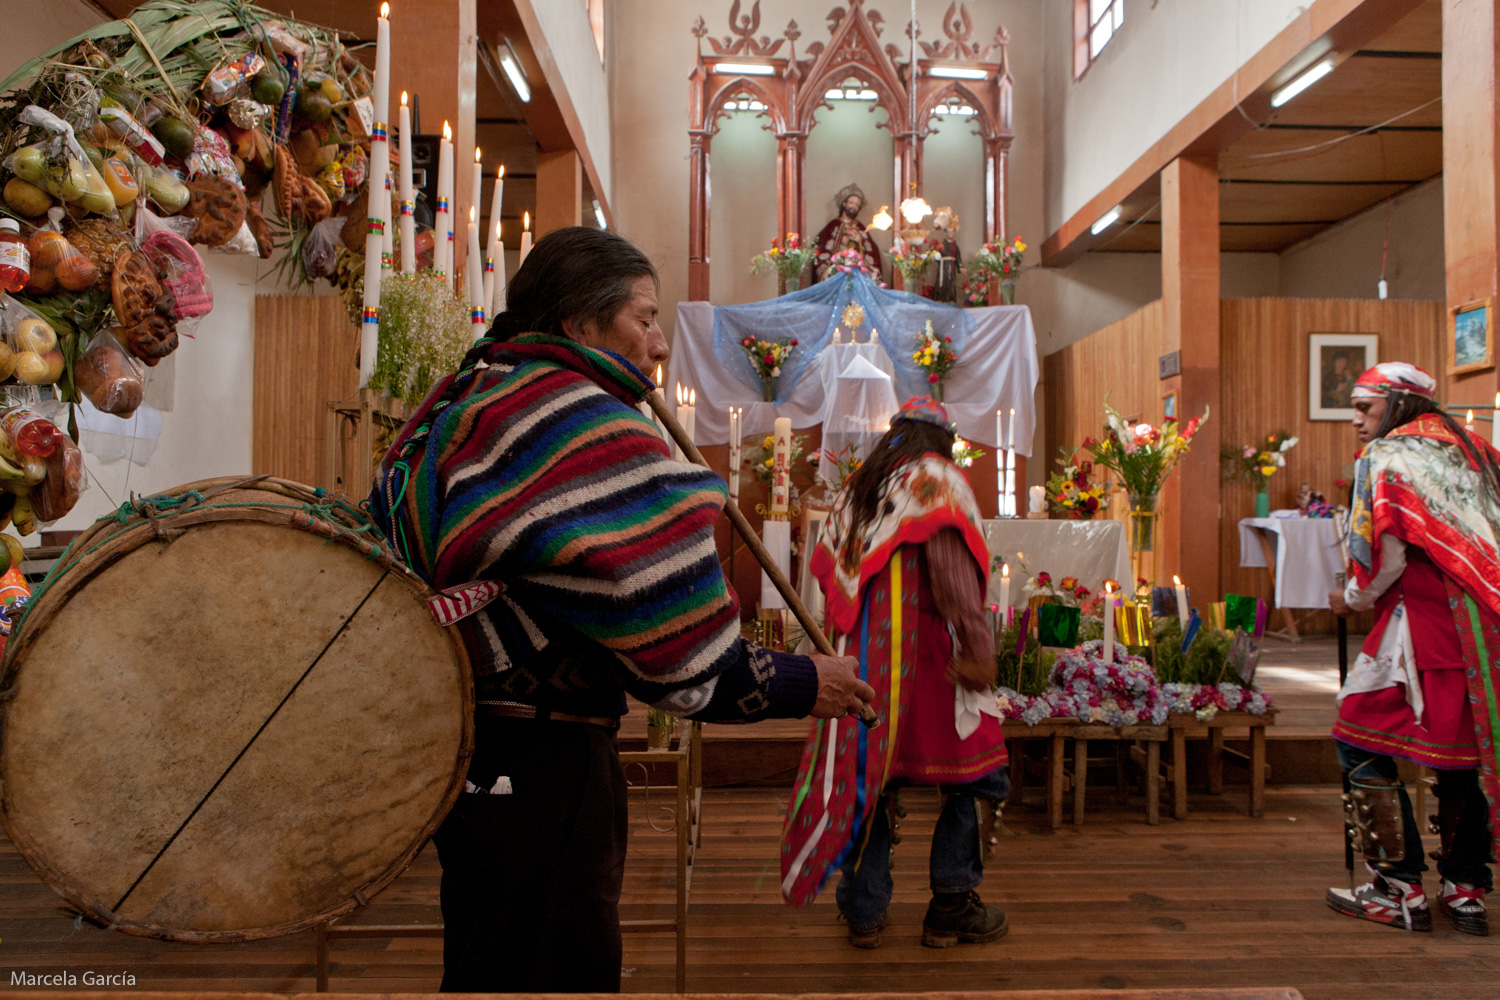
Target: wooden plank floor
pixel 1216 900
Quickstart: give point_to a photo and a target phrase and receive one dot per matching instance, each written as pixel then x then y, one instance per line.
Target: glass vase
pixel 768 386
pixel 935 390
pixel 1007 291
pixel 1141 533
pixel 1262 504
pixel 789 285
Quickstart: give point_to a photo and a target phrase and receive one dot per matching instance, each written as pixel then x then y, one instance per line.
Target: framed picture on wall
pixel 1169 406
pixel 1471 341
pixel 1334 362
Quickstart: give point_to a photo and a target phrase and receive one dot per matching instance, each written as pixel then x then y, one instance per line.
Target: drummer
pixel 531 468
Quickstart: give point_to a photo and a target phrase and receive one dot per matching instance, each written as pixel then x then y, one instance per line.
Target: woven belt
pixel 521 710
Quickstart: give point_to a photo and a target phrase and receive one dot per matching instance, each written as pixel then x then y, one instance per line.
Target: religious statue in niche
pixel 846 232
pixel 943 239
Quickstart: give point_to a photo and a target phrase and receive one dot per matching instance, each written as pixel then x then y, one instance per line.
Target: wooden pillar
pixel 791 202
pixel 996 189
pixel 1471 186
pixel 700 194
pixel 559 191
pixel 1190 324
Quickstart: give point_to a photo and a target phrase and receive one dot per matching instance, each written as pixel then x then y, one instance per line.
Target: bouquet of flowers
pixel 1069 489
pixel 846 461
pixel 976 290
pixel 1000 259
pixel 849 261
pixel 788 258
pixel 1254 464
pixel 767 357
pixel 911 259
pixel 1068 591
pixel 1207 700
pixel 964 452
pixel 935 356
pixel 1142 456
pixel 1122 693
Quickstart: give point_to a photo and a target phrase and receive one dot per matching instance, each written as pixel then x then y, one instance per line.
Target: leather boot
pixel 961 917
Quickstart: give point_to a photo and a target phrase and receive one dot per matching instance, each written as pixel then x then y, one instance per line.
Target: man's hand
pixel 840 691
pixel 972 674
pixel 1337 606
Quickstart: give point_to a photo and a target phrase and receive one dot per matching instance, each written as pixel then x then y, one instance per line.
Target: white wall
pixel 1168 57
pixel 1343 261
pixel 565 25
pixel 207 431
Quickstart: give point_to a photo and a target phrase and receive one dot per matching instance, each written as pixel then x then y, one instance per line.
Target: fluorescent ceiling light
pixel 1302 82
pixel 748 69
pixel 1105 221
pixel 513 72
pixel 599 215
pixel 958 73
pixel 834 95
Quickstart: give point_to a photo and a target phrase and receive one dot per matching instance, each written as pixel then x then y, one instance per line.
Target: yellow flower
pixel 770 462
pixel 1267 470
pixel 769 442
pixel 1020 246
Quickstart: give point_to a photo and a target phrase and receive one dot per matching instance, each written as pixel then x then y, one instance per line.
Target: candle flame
pixel 526 221
pixel 1470 420
pixel 471 213
pixel 403 98
pixel 497 229
pixel 447 132
pixel 679 393
pixel 1108 589
pixel 692 397
pixel 501 172
pixel 658 374
pixel 385 10
pixel 1176 580
pixel 478 154
pixel 1005 570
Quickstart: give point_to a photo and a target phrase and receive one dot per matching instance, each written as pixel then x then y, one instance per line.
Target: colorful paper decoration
pixel 1021 633
pixel 1216 616
pixel 1058 625
pixel 1194 625
pixel 1244 654
pixel 1132 624
pixel 1241 612
pixel 1164 602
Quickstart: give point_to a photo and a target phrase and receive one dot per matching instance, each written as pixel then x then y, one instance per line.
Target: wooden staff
pixel 867 714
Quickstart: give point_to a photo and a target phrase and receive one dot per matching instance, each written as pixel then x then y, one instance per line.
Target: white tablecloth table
pixel 1306 551
pixel 1093 551
pixel 999 370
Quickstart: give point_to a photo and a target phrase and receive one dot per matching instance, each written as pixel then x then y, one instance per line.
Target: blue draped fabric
pixel 809 316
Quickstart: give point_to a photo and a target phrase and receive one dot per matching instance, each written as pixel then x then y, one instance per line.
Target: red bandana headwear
pixel 1394 376
pixel 926 410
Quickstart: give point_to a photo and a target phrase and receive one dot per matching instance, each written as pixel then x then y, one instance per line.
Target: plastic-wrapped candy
pixel 228 82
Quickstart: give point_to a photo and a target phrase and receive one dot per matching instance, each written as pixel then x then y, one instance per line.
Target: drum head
pixel 237 733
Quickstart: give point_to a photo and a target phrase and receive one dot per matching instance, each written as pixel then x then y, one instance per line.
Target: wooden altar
pixel 793 90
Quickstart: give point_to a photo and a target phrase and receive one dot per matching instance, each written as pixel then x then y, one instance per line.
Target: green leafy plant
pixel 425 331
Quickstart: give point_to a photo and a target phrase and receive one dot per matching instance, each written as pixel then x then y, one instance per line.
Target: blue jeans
pixel 1469 849
pixel 955 865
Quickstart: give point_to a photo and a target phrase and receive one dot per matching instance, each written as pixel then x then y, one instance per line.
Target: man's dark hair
pixel 906 441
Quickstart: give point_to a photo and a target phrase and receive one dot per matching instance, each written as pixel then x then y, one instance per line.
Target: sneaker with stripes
pixel 1385 900
pixel 1464 905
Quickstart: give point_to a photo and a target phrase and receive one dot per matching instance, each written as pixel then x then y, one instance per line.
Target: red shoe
pixel 1464 905
pixel 1385 900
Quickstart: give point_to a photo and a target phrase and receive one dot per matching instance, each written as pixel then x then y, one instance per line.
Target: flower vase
pixel 659 736
pixel 1141 534
pixel 935 390
pixel 1007 291
pixel 790 285
pixel 768 387
pixel 1262 504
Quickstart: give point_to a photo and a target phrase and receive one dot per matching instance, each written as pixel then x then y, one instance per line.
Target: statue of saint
pixel 950 261
pixel 846 232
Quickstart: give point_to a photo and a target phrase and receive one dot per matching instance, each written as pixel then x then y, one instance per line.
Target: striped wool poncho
pixel 542 476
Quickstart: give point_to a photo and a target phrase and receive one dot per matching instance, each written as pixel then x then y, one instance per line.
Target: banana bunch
pixel 19 472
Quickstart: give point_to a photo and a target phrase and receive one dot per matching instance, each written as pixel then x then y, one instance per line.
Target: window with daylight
pixel 596 22
pixel 1094 24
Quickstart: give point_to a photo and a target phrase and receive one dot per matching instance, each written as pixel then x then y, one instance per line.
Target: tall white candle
pixel 380 153
pixel 1010 478
pixel 1010 440
pixel 1109 624
pixel 492 254
pixel 661 397
pixel 781 468
pixel 686 417
pixel 734 455
pixel 1005 594
pixel 387 231
pixel 441 251
pixel 999 464
pixel 476 198
pixel 476 283
pixel 1182 608
pixel 408 220
pixel 525 235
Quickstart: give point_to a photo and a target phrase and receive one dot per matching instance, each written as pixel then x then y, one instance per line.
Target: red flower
pixel 947 340
pixel 1043 579
pixel 794 341
pixel 1084 468
pixel 933 378
pixel 769 360
pixel 1140 581
pixel 1341 483
pixel 1082 593
pixel 747 341
pixel 1091 504
pixel 1089 442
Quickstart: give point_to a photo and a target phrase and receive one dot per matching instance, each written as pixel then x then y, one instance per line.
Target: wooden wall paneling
pixel 304 357
pixel 559 191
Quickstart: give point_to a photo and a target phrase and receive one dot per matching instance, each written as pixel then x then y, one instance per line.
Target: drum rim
pixel 144 531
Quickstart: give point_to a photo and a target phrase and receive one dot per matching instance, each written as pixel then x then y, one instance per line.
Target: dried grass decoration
pixel 425 331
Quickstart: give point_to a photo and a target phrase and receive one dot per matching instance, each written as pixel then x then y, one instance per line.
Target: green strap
pixel 1492 710
pixel 813 769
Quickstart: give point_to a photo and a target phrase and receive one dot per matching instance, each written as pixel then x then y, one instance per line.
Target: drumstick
pixel 867 714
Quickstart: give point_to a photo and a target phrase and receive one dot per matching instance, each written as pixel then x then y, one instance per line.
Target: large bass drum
pixel 229 714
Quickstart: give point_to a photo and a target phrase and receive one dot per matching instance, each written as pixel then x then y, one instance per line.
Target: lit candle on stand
pixel 1182 608
pixel 781 468
pixel 686 416
pixel 1109 624
pixel 1469 421
pixel 494 252
pixel 388 231
pixel 475 263
pixel 408 220
pixel 442 218
pixel 661 397
pixel 734 455
pixel 475 282
pixel 1010 466
pixel 375 218
pixel 999 463
pixel 497 294
pixel 1038 503
pixel 525 235
pixel 1005 594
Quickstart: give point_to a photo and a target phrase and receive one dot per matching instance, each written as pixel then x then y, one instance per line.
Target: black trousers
pixel 531 880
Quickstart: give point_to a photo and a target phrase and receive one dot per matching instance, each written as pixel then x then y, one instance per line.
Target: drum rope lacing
pixel 154 510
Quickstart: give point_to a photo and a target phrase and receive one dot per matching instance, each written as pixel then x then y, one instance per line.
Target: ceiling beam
pixel 1217 121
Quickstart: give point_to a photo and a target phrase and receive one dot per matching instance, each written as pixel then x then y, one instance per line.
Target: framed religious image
pixel 1169 406
pixel 1471 344
pixel 1334 362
